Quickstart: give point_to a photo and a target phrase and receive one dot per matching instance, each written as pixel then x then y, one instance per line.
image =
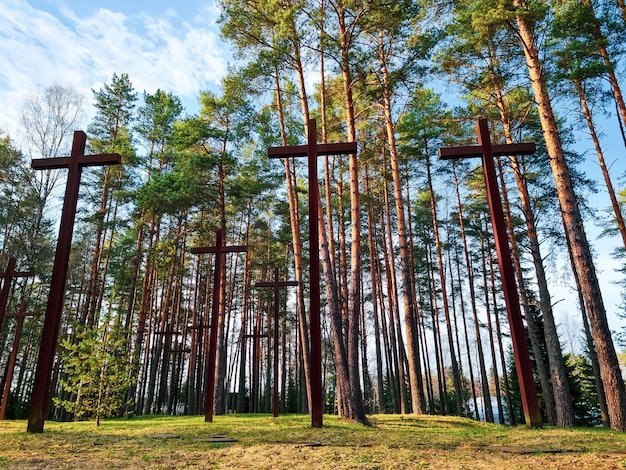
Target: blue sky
pixel 173 46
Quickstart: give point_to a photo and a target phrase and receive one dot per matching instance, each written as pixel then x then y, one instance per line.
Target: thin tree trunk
pixel 593 356
pixel 342 370
pixel 374 278
pixel 465 331
pixel 389 343
pixel 92 294
pixel 294 217
pixel 357 411
pixel 484 381
pixel 434 313
pixel 619 218
pixel 608 63
pixel 456 376
pixel 486 252
pixel 390 268
pixel 405 265
pixel 396 370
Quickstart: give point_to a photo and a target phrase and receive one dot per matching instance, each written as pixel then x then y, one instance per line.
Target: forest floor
pixel 289 442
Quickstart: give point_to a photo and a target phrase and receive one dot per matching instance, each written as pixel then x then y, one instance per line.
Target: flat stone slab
pixel 217 438
pixel 165 436
pixel 310 444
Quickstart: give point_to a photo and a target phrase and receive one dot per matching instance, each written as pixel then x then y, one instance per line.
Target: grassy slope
pixel 401 442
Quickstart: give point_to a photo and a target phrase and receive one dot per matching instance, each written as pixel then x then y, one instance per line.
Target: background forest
pixel 413 312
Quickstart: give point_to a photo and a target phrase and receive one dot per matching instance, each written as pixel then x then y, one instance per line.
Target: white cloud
pixel 39 48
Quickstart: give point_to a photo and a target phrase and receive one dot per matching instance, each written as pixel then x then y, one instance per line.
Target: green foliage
pixel 95 374
pixel 583 388
pixel 114 104
pixel 176 191
pixel 156 119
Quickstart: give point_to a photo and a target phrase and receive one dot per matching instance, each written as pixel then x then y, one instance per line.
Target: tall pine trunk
pixel 575 232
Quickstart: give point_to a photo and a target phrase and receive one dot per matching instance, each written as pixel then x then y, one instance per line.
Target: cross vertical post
pixel 312 150
pixel 40 400
pixel 276 285
pixel 8 376
pixel 8 276
pixel 220 250
pixel 518 335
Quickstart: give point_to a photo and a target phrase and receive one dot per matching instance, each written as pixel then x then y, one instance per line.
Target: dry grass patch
pixel 260 441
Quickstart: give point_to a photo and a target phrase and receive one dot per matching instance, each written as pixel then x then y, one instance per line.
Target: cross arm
pixel 86 160
pixel 18 274
pixel 22 314
pixel 339 148
pixel 223 249
pixel 276 284
pixel 476 151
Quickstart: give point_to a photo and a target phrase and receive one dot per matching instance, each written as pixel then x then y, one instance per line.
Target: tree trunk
pixel 381 405
pixel 593 356
pixel 608 63
pixel 390 268
pixel 484 381
pixel 486 251
pixel 395 331
pixel 456 376
pixel 619 219
pixel 356 411
pixel 465 331
pixel 294 217
pixel 405 265
pixel 575 232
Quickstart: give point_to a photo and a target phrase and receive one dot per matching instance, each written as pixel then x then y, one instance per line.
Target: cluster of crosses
pixel 40 399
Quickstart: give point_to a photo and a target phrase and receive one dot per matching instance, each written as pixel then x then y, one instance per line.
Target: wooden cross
pixel 276 285
pixel 312 150
pixel 40 400
pixel 220 250
pixel 8 276
pixel 518 334
pixel 8 376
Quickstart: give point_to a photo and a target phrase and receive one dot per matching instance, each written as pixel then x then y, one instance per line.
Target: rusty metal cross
pixel 8 275
pixel 220 250
pixel 518 335
pixel 312 150
pixel 40 400
pixel 276 285
pixel 8 376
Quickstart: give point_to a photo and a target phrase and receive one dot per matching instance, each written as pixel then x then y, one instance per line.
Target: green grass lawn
pixel 289 442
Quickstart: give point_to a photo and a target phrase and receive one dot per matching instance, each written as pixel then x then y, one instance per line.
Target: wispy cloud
pixel 39 48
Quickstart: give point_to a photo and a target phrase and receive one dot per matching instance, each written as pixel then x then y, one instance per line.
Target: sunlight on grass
pixel 261 441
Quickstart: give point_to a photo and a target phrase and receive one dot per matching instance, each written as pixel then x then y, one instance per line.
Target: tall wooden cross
pixel 488 151
pixel 276 285
pixel 312 150
pixel 8 276
pixel 220 250
pixel 40 400
pixel 8 376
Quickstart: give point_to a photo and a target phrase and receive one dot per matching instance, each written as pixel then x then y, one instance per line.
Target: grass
pixel 289 442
